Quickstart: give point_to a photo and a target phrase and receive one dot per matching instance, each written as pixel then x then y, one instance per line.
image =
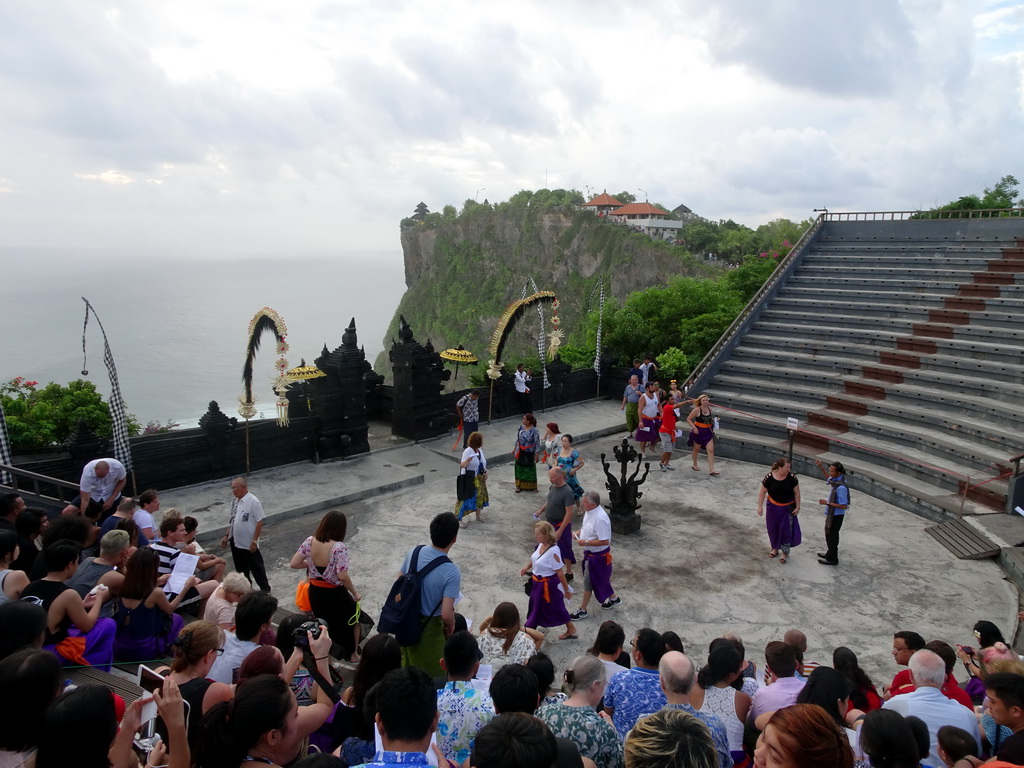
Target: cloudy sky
pixel 306 126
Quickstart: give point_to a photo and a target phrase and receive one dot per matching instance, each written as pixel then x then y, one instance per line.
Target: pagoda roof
pixel 640 209
pixel 603 200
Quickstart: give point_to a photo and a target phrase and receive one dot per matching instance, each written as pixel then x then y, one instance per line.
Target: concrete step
pixel 906 492
pixel 913 297
pixel 862 421
pixel 978 418
pixel 912 325
pixel 857 346
pixel 903 286
pixel 946 273
pixel 982 380
pixel 929 475
pixel 904 310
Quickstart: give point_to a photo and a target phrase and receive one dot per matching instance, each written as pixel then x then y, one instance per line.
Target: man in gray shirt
pixel 558 510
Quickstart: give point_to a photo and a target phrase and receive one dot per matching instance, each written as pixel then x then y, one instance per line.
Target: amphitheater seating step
pixel 963 540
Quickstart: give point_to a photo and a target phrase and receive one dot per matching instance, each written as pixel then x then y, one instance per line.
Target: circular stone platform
pixel 697 566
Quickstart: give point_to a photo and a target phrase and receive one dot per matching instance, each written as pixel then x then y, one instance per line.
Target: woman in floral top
pixel 332 596
pixel 527 443
pixel 577 719
pixel 502 637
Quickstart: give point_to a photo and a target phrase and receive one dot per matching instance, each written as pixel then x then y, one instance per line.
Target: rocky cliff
pixel 462 271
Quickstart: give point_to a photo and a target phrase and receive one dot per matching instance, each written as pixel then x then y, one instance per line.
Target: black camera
pixel 313 627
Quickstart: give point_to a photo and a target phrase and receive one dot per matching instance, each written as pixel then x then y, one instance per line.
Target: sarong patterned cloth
pixel 427 653
pixel 94 648
pixel 783 526
pixel 565 545
pixel 547 603
pixel 599 564
pixel 134 647
pixel 526 471
pixel 632 416
pixel 478 501
pixel 701 437
pixel 648 433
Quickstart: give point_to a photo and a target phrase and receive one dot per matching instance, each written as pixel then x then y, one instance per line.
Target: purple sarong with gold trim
pixel 701 437
pixel 783 526
pixel 547 603
pixel 599 564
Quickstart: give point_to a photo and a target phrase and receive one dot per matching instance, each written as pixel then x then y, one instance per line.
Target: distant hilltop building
pixel 655 222
pixel 421 212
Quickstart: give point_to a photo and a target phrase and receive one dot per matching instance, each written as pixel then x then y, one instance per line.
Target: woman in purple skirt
pixel 549 589
pixel 702 433
pixel 781 490
pixel 147 625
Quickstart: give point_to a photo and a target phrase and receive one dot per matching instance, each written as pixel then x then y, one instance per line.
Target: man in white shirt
pixel 243 534
pixel 595 536
pixel 521 378
pixel 149 504
pixel 928 672
pixel 99 489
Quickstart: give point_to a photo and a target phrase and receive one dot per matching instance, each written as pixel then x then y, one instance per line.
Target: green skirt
pixel 427 653
pixel 526 471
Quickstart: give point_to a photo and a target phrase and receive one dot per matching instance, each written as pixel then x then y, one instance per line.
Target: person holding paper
pixel 147 625
pixel 244 528
pixel 179 566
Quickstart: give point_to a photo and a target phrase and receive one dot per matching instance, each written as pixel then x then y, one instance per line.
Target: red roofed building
pixel 649 219
pixel 603 204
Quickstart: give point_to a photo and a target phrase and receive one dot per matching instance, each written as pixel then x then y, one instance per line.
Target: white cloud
pixel 321 124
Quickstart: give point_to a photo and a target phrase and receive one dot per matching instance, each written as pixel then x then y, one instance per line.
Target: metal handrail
pixel 768 285
pixel 36 480
pixel 979 213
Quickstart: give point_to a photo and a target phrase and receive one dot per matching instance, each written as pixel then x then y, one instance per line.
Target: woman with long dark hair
pixel 35 678
pixel 781 489
pixel 260 725
pixel 887 740
pixel 830 690
pixel 332 595
pixel 504 639
pixel 352 728
pixel 863 695
pixel 147 624
pixel 715 693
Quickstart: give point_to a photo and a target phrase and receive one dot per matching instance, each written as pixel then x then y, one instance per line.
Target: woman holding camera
pixel 332 596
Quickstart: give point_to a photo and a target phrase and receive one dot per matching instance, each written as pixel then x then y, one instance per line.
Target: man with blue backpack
pixel 420 611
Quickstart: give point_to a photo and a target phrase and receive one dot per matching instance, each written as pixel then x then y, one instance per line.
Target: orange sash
pixel 544 580
pixel 73 649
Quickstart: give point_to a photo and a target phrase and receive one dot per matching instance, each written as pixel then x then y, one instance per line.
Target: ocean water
pixel 178 325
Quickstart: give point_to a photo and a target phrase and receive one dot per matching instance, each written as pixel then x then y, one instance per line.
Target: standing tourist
pixel 595 536
pixel 243 533
pixel 667 433
pixel 675 394
pixel 527 442
pixel 550 445
pixel 781 489
pixel 99 489
pixel 835 509
pixel 701 433
pixel 468 408
pixel 571 463
pixel 473 460
pixel 631 404
pixel 650 407
pixel 648 369
pixel 438 593
pixel 332 595
pixel 550 589
pixel 521 378
pixel 558 510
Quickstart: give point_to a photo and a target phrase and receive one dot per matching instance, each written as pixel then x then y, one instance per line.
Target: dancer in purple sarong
pixel 701 433
pixel 549 590
pixel 595 536
pixel 650 408
pixel 781 490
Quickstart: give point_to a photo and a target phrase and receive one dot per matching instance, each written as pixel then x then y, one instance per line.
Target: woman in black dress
pixel 781 489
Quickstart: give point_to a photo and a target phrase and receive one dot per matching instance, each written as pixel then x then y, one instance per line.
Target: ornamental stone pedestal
pixel 418 412
pixel 338 399
pixel 218 428
pixel 624 492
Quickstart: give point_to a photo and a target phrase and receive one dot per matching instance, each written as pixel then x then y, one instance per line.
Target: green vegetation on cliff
pixel 463 269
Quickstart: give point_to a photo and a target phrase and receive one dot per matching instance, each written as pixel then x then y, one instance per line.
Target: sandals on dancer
pixel 714 474
pixel 773 553
pixel 783 559
pixel 567 636
pixel 695 469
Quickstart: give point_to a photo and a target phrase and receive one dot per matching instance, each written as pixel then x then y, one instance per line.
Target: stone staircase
pixel 898 346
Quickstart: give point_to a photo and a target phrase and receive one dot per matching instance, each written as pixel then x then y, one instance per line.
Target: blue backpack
pixel 400 615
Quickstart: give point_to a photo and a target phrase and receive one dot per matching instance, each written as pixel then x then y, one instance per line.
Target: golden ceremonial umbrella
pixel 459 356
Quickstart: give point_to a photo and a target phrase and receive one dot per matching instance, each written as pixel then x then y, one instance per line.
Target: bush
pixel 42 418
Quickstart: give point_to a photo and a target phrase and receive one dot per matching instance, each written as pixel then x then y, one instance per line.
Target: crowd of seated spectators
pixel 238 690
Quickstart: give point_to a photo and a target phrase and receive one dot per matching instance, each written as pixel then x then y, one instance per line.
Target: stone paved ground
pixel 698 564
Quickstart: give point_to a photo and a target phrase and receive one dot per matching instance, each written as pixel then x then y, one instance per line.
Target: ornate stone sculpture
pixel 624 494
